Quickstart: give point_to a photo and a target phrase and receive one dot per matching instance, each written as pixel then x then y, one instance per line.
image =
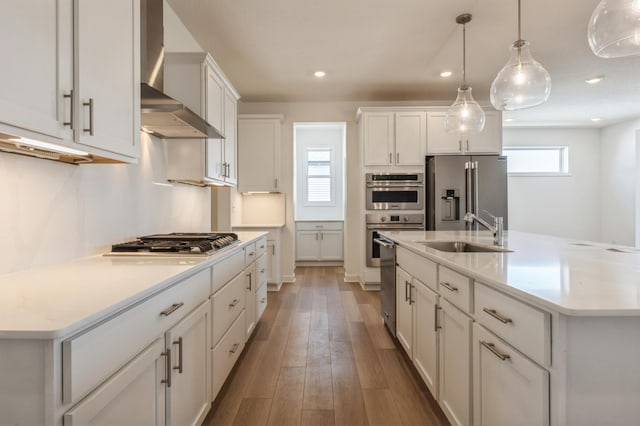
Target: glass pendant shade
pixel 521 83
pixel 614 29
pixel 465 116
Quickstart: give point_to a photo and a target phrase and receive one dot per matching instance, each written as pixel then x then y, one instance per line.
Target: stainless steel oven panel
pixel 395 198
pixel 373 249
pixel 397 179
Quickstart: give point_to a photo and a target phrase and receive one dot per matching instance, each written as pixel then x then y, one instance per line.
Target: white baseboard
pixel 274 286
pixel 351 278
pixel 370 286
pixel 289 278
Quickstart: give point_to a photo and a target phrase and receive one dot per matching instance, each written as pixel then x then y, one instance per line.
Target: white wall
pixel 54 212
pixel 618 198
pixel 567 206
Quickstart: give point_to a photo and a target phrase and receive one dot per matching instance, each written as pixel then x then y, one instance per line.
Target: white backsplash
pixel 54 212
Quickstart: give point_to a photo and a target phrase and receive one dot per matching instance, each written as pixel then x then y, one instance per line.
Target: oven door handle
pixel 384 242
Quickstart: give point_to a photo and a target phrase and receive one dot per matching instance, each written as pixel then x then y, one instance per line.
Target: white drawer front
pixel 417 266
pixel 528 329
pixel 226 353
pixel 226 269
pixel 227 305
pixel 319 226
pixel 456 288
pixel 261 301
pixel 91 357
pixel 261 247
pixel 250 254
pixel 261 269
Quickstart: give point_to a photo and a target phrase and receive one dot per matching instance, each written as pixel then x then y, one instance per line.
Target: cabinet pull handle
pixel 263 300
pixel 448 286
pixel 262 271
pixel 390 158
pixel 171 309
pixel 275 183
pixel 497 316
pixel 251 253
pixel 322 236
pixel 467 144
pixel 261 247
pixel 234 348
pixel 90 105
pixel 70 97
pixel 167 368
pixel 406 293
pixel 316 236
pixel 435 314
pixel 234 303
pixel 273 250
pixel 179 343
pixel 397 157
pixel 249 276
pixel 492 348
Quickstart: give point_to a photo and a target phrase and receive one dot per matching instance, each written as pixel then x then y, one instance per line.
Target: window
pixel 537 160
pixel 319 176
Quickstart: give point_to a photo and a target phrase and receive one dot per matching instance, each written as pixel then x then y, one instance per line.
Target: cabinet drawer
pixel 226 269
pixel 261 301
pixel 319 226
pixel 227 305
pixel 261 269
pixel 417 266
pixel 91 357
pixel 525 327
pixel 261 247
pixel 250 254
pixel 456 288
pixel 226 353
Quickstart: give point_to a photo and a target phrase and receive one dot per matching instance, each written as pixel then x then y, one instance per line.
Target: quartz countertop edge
pixel 59 300
pixel 260 225
pixel 571 277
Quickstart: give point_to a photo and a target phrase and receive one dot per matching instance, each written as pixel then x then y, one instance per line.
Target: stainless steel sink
pixel 462 247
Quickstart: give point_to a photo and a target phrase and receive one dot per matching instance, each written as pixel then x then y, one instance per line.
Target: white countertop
pixel 58 300
pixel 260 225
pixel 578 278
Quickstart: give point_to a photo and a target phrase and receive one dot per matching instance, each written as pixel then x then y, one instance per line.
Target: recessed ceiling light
pixel 596 119
pixel 319 73
pixel 445 74
pixel 594 80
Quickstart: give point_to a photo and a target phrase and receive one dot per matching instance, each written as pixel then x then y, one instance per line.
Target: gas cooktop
pixel 175 244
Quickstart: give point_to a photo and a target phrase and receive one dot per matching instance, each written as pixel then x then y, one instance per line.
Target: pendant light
pixel 614 29
pixel 465 115
pixel 522 82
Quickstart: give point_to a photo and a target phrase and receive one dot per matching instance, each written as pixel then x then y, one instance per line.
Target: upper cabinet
pixel 489 141
pixel 59 84
pixel 393 138
pixel 259 153
pixel 197 81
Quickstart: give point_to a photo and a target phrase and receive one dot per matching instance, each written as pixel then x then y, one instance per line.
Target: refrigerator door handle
pixel 476 197
pixel 467 193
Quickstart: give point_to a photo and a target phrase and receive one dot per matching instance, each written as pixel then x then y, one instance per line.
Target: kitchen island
pixel 104 339
pixel 545 332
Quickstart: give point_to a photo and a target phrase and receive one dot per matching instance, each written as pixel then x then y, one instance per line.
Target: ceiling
pixel 394 50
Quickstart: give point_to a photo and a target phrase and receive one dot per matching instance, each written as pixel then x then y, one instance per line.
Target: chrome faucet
pixel 497 228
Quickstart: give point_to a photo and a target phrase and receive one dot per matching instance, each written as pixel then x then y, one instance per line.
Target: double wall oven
pixel 395 202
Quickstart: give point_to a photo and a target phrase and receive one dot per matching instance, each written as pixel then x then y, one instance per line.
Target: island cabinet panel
pixel 425 352
pixel 419 267
pixel 526 328
pixel 404 310
pixel 509 389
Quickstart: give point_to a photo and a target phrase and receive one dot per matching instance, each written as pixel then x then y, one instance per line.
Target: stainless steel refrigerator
pixel 456 184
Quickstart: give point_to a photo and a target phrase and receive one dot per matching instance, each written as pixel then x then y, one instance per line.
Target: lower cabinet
pixel 226 353
pixel 425 346
pixel 250 279
pixel 509 389
pixel 319 241
pixel 404 311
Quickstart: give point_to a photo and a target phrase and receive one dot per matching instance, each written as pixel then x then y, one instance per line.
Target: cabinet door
pixel 230 145
pixel 425 352
pixel 251 284
pixel 215 99
pixel 438 140
pixel 134 395
pixel 455 364
pixel 36 69
pixel 404 311
pixel 271 262
pixel 509 389
pixel 411 138
pixel 188 396
pixel 331 245
pixel 307 245
pixel 378 138
pixel 106 74
pixel 259 155
pixel 490 139
pixel 214 151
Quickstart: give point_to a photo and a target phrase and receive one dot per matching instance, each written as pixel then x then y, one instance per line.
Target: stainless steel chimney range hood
pixel 161 115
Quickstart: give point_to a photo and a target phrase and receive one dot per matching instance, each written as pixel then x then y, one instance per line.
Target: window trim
pixel 563 166
pixel 332 177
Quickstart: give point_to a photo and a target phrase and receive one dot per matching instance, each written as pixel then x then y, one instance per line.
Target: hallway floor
pixel 320 355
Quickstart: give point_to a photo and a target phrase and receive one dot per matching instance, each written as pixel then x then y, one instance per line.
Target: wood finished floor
pixel 320 356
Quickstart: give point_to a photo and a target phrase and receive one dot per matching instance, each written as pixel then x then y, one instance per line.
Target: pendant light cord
pixel 464 55
pixel 519 22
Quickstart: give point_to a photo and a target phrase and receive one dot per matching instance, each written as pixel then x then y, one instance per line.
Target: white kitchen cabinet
pixel 393 138
pixel 455 363
pixel 319 241
pixel 489 141
pixel 56 88
pixel 425 334
pixel 135 395
pixel 188 391
pixel 509 388
pixel 196 80
pixel 259 153
pixel 404 310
